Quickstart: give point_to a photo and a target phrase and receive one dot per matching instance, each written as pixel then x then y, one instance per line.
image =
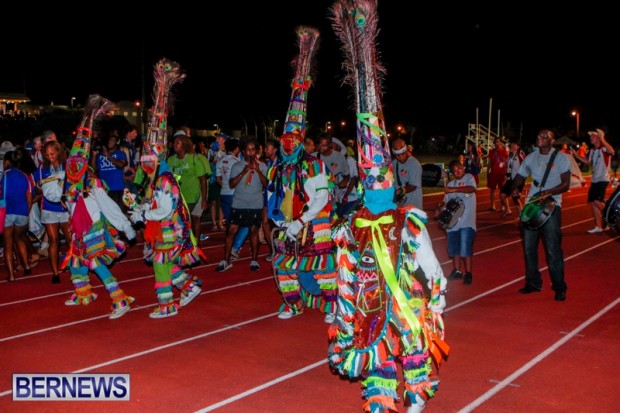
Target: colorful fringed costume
pixel 95 218
pixel 298 200
pixel 390 283
pixel 169 243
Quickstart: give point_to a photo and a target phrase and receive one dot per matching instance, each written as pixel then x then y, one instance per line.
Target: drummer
pixel 550 177
pixel 461 236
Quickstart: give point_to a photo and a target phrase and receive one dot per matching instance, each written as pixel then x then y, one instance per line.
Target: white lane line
pixel 479 296
pixel 261 387
pixel 165 346
pixel 508 380
pixel 133 308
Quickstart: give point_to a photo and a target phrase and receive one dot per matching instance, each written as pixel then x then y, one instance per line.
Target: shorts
pixel 461 242
pixel 597 191
pixel 17 220
pixel 214 192
pixel 507 188
pixel 495 181
pixel 246 217
pixel 196 209
pixel 52 217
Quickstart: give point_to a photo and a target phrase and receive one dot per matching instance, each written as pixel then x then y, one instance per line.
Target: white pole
pixel 477 128
pixel 498 123
pixel 489 128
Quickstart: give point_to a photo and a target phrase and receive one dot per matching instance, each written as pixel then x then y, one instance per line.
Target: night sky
pixel 442 62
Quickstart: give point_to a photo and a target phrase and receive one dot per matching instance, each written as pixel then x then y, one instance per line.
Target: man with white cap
pixel 600 159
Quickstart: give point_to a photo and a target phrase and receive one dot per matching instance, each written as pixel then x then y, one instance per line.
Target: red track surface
pixel 228 352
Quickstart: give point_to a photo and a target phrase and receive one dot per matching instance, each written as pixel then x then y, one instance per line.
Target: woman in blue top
pixel 50 180
pixel 17 193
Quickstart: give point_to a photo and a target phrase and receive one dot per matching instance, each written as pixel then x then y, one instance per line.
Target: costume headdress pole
pixel 355 23
pixel 77 163
pixel 167 73
pixel 295 123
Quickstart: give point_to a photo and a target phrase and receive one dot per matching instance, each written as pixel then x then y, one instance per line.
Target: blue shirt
pixel 17 185
pixel 110 174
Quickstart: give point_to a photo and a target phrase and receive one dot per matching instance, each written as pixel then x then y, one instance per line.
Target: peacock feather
pixel 355 24
pixel 166 74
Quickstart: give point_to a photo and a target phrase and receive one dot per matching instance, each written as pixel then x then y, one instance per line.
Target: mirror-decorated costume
pixel 390 283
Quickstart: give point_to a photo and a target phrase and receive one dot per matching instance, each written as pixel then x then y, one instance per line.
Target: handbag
pixel 3 203
pixel 53 186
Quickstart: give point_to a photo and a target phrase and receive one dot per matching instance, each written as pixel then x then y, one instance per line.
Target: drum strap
pixel 546 175
pixel 400 184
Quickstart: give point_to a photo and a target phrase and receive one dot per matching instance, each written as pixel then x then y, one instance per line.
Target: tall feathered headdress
pixel 355 23
pixel 295 123
pixel 167 73
pixel 77 163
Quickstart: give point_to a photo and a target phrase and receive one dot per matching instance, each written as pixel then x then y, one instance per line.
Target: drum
pixel 535 214
pixel 451 213
pixel 431 175
pixel 611 212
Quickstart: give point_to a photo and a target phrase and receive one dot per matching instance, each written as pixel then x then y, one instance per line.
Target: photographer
pixel 248 179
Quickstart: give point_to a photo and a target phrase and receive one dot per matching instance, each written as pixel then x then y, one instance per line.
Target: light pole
pixel 576 115
pixel 275 124
pixel 138 105
pixel 72 99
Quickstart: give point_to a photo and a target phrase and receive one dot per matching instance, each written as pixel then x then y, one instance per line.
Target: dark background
pixel 443 61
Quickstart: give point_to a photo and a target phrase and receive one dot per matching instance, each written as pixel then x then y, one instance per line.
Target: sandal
pixel 505 214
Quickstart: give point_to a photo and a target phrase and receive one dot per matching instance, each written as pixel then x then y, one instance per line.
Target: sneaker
pixel 595 230
pixel 254 266
pixel 188 297
pixel 157 314
pixel 269 257
pixel 119 312
pixel 418 406
pixel 455 275
pixel 70 302
pixel 468 278
pixel 223 266
pixel 329 318
pixel 286 314
pixel 235 253
pixel 204 237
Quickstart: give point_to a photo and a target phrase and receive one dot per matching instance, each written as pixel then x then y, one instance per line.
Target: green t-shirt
pixel 188 171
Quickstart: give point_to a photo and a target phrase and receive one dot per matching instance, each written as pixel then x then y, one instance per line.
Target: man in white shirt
pixel 600 159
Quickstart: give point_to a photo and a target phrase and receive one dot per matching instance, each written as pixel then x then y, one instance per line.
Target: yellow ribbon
pixel 383 258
